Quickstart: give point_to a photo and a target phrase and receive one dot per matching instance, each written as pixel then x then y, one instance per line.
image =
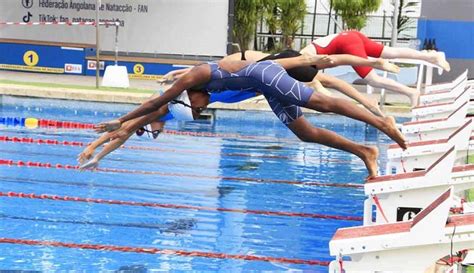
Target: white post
pixel 396 5
pixel 393 43
pixel 116 41
pixel 97 46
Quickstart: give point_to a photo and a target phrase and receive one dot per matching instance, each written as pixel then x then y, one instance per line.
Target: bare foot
pixel 369 156
pixel 386 65
pixel 319 60
pixel 390 128
pixel 438 58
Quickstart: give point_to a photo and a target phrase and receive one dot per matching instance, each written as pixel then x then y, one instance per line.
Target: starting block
pixel 447 93
pixel 435 128
pixel 409 246
pixel 422 154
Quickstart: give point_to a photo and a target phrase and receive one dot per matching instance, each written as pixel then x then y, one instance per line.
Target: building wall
pixel 451 23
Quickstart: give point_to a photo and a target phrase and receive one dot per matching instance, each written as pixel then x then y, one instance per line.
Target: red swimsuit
pixel 353 43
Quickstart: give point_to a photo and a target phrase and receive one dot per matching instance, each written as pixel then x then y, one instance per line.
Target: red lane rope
pixel 88 126
pixel 153 250
pixel 175 206
pixel 19 163
pixel 26 140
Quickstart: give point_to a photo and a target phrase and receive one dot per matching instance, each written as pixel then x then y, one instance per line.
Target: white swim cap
pixel 181 111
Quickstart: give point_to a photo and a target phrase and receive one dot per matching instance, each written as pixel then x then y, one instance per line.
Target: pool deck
pixel 71 87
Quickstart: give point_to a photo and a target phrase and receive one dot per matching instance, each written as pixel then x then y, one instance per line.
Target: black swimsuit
pixel 302 74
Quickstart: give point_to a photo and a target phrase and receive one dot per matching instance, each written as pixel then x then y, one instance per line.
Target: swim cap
pixel 179 110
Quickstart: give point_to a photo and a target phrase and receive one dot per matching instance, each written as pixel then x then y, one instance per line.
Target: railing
pixel 322 24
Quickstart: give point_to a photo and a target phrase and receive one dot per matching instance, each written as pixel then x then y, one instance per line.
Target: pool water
pixel 247 189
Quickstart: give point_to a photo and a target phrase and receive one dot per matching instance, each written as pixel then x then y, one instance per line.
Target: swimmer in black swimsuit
pixel 313 78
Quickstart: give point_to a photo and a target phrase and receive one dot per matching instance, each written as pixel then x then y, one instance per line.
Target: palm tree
pixel 354 12
pixel 404 21
pixel 292 13
pixel 245 20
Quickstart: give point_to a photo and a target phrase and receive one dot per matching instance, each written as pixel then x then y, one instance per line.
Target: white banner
pixel 194 27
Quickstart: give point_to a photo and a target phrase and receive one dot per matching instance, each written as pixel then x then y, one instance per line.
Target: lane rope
pixel 175 206
pixel 40 141
pixel 153 250
pixel 25 164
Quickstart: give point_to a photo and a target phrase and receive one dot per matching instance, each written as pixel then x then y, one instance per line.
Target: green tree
pixel 292 13
pixel 354 12
pixel 270 13
pixel 404 22
pixel 245 20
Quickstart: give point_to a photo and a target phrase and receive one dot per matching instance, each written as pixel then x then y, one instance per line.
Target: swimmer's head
pixel 181 108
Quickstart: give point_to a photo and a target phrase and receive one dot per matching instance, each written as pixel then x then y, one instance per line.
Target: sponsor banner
pixel 187 27
pixel 91 65
pixel 73 68
pixel 32 68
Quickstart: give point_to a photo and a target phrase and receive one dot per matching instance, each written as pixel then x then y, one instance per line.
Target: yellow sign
pixel 138 69
pixel 145 77
pixel 30 58
pixel 32 68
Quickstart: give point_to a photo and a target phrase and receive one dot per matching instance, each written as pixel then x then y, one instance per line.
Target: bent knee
pixel 374 79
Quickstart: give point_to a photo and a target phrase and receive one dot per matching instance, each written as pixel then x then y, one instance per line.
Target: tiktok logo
pixel 27 17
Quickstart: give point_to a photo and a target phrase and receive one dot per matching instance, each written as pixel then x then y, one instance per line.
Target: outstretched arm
pixel 305 60
pixel 197 76
pixel 88 152
pixel 174 75
pixel 347 59
pixel 347 89
pixel 112 146
pixel 119 137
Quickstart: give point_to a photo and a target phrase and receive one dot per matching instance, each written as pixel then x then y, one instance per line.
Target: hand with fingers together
pixel 108 126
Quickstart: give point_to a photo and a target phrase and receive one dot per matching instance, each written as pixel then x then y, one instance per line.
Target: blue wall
pixel 49 56
pixel 52 59
pixel 455 38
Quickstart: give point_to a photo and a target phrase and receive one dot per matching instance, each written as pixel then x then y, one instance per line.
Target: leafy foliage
pixel 245 20
pixel 404 22
pixel 354 12
pixel 284 15
pixel 292 13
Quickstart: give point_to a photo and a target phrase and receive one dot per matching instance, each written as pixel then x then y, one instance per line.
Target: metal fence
pixel 322 24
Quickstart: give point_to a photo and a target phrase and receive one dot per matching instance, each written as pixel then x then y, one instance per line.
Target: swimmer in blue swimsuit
pixel 284 94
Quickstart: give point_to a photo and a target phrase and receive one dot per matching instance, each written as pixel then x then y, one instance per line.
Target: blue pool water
pixel 189 170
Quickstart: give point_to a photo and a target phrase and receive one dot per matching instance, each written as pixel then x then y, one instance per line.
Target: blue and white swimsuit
pixel 283 93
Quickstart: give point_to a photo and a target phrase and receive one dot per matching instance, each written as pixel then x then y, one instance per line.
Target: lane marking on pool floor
pixel 176 206
pixel 26 164
pixel 26 140
pixel 153 250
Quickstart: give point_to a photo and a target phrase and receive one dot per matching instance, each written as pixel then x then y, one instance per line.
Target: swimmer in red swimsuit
pixel 357 44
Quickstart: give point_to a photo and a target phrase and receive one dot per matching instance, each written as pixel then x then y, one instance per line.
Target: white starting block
pixel 398 197
pixel 116 76
pixel 432 129
pixel 440 110
pixel 441 87
pixel 450 92
pixel 422 154
pixel 410 246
